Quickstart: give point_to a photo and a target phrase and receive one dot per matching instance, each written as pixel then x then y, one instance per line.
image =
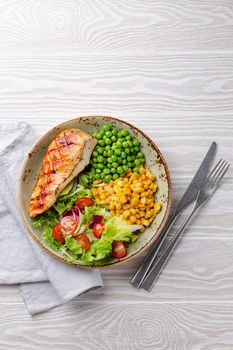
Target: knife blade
pixel 188 197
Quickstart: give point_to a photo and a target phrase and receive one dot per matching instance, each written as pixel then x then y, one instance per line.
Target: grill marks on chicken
pixel 61 163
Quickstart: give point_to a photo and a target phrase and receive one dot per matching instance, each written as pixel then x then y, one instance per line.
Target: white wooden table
pixel 167 67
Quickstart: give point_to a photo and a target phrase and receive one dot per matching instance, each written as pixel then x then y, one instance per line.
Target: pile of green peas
pixel 115 153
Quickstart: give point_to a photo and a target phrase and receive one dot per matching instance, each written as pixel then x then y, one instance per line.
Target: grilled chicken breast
pixel 66 157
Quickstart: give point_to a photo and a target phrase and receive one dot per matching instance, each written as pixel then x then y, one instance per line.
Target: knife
pixel 188 197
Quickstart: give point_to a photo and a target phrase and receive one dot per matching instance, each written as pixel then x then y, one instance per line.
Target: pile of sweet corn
pixel 131 197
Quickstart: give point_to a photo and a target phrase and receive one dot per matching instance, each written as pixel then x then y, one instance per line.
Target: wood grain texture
pixel 161 84
pixel 167 67
pixel 200 270
pixel 127 326
pixel 100 25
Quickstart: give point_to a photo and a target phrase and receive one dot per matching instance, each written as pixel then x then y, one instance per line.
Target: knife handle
pixel 143 270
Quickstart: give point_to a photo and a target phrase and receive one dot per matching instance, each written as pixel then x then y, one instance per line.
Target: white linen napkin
pixel 45 281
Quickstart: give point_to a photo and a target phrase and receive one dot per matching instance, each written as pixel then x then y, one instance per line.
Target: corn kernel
pixel 149 213
pixel 134 201
pixel 158 207
pixel 145 222
pixel 133 211
pixel 138 190
pixel 143 200
pixel 143 194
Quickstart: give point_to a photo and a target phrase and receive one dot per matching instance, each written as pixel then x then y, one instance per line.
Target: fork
pixel 206 192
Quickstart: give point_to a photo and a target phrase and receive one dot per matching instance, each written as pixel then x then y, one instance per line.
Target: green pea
pixel 137 149
pixel 114 131
pixel 129 158
pixel 94 134
pixel 125 133
pixel 110 152
pixel 108 141
pixel 124 161
pixel 140 155
pixel 128 138
pixel 100 159
pixel 119 134
pixel 100 150
pixel 97 176
pixel 119 160
pixel 137 162
pixel 95 154
pixel 106 127
pixel 108 133
pixel 94 160
pixel 117 152
pixel 119 144
pixel 142 160
pixel 100 166
pixel 98 171
pixel 130 144
pixel 113 138
pixel 136 143
pixel 106 171
pixel 130 165
pixel 109 165
pixel 98 136
pixel 120 170
pixel 115 177
pixel 105 154
pixel 108 147
pixel 107 178
pixel 125 168
pixel 101 133
pixel 113 170
pixel 90 176
pixel 114 158
pixel 123 155
pixel 95 166
pixel 136 170
pixel 127 150
pixel 114 146
pixel 132 150
pixel 101 142
pixel 125 144
pixel 115 165
pixel 109 160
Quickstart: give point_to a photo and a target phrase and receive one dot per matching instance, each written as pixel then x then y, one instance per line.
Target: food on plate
pixel 66 157
pixel 115 153
pixel 93 217
pixel 130 197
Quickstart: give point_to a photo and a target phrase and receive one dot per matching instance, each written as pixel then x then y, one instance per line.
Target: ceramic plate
pixel 154 161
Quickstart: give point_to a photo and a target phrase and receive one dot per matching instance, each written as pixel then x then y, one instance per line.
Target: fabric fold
pixel 45 281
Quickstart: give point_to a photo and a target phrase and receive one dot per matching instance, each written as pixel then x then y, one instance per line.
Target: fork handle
pixel 160 263
pixel 142 271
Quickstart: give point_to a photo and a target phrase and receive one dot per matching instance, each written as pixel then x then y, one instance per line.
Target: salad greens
pixel 100 248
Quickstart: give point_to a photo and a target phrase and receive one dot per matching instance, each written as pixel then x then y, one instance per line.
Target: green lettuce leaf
pixel 115 230
pixel 46 222
pixel 73 245
pixel 68 200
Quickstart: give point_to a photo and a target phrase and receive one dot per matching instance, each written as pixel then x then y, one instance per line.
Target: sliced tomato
pixel 68 225
pixel 57 234
pixel 83 240
pixel 98 229
pixel 84 201
pixel 118 250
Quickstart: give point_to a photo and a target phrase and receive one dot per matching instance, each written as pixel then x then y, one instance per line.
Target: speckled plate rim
pixel 158 231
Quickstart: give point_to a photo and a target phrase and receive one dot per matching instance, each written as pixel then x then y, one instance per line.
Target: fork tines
pixel 220 169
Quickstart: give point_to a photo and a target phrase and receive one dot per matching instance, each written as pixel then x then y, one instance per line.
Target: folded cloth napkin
pixel 45 281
